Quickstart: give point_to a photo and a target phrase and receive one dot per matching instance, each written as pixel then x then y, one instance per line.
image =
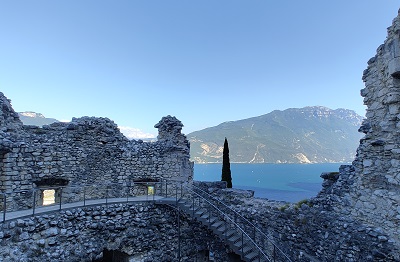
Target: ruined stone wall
pixel 87 151
pixel 356 217
pixel 144 231
pixel 310 230
pixel 369 190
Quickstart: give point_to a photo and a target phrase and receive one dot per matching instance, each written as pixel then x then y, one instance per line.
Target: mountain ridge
pixel 35 119
pixel 313 134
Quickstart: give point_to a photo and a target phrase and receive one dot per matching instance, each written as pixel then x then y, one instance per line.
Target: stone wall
pixel 87 151
pixel 144 231
pixel 356 216
pixel 369 190
pixel 311 230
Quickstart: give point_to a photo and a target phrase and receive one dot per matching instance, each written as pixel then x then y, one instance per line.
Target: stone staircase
pixel 224 230
pixel 241 235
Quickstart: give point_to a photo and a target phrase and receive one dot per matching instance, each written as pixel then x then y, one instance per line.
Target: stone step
pixel 247 249
pixel 253 256
pixel 226 231
pixel 231 235
pixel 200 212
pixel 234 238
pixel 209 221
pixel 217 224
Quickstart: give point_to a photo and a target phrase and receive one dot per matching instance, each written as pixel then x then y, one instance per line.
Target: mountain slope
pixel 296 135
pixel 35 119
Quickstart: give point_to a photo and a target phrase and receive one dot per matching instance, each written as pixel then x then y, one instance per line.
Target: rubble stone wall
pixel 87 151
pixel 370 190
pixel 356 216
pixel 143 231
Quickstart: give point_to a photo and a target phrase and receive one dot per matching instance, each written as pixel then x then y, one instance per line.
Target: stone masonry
pixel 356 217
pixel 89 152
pixel 143 231
pixel 369 190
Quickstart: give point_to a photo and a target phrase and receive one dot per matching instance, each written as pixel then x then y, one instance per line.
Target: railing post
pixel 193 207
pixel 127 193
pixel 84 196
pixel 176 195
pixel 60 196
pixel 166 188
pixel 5 207
pixel 179 235
pixel 225 231
pixel 107 195
pixel 242 243
pixel 209 216
pixel 34 202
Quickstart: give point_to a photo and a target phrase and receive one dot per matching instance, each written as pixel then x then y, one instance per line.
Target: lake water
pixel 287 182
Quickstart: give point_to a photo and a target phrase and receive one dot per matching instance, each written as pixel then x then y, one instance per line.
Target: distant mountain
pixel 35 119
pixel 296 135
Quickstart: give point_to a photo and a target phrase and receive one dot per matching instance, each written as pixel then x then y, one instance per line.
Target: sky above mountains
pixel 204 62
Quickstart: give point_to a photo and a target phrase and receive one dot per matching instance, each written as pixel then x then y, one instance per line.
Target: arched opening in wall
pixel 113 256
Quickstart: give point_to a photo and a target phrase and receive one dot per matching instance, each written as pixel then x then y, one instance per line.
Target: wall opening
pixel 145 186
pixel 113 256
pixel 150 190
pixel 48 197
pixel 49 191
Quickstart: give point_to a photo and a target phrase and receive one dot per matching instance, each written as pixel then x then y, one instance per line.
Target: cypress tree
pixel 226 166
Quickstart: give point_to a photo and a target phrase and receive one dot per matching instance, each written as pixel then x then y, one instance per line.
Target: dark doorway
pixel 113 256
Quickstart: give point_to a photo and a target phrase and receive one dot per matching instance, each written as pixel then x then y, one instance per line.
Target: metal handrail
pixel 245 220
pixel 83 188
pixel 178 185
pixel 233 222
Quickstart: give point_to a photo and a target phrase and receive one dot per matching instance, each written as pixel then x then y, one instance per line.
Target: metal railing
pixel 66 196
pixel 265 246
pixel 77 196
pixel 212 211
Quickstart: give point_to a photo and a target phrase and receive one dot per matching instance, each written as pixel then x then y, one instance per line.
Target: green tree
pixel 226 166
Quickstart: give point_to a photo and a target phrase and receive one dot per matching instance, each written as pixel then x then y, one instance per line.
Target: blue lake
pixel 287 182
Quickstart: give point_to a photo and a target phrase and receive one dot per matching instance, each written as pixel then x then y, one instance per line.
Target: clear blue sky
pixel 203 61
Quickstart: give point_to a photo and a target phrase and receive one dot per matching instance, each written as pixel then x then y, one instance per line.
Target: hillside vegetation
pixel 296 135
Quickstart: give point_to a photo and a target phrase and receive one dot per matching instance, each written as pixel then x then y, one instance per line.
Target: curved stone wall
pixel 144 231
